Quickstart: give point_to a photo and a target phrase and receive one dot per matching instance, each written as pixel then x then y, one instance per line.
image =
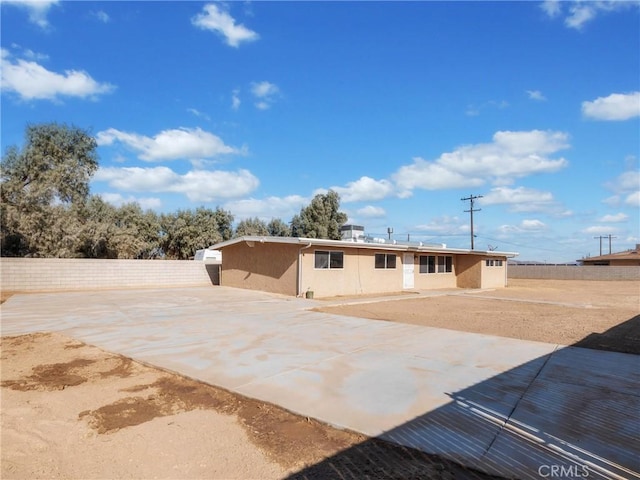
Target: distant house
pixel 294 266
pixel 627 258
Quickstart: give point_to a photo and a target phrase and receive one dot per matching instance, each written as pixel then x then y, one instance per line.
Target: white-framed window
pixel 329 259
pixel 436 264
pixel 493 263
pixel 385 260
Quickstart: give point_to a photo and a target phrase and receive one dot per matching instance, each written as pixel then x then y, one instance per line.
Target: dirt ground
pixel 603 315
pixel 73 411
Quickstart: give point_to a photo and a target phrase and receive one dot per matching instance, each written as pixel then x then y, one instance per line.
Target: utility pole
pixel 600 237
pixel 610 237
pixel 605 236
pixel 471 199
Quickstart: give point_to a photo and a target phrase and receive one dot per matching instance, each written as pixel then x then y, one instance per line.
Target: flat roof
pixel 321 242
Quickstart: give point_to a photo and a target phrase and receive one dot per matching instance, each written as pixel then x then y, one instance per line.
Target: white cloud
pixel 618 217
pixel 235 99
pixel 617 106
pixel 613 201
pixel 197 185
pixel 510 155
pixel 444 225
pixel 432 176
pixel 371 212
pixel 219 21
pixel 267 208
pixel 265 94
pixel 364 189
pixel 526 226
pixel 579 15
pixel 520 199
pixel 536 95
pixel 474 110
pixel 532 225
pixel 633 199
pixel 626 181
pixel 600 230
pixel 31 81
pixel 26 53
pixel 101 16
pixel 551 7
pixel 37 9
pixel 169 144
pixel 199 114
pixel 118 200
pixel 581 12
pixel 627 189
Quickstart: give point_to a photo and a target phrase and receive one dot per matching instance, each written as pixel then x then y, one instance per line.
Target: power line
pixel 605 236
pixel 471 199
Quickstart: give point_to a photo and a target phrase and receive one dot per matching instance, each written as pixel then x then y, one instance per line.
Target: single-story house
pixel 295 266
pixel 628 258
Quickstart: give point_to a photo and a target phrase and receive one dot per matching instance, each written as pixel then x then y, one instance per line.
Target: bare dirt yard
pixel 602 315
pixel 73 411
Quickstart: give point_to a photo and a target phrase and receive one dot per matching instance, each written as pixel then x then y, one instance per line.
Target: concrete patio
pixel 508 407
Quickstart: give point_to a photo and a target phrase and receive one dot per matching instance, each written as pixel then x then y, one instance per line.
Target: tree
pixel 186 231
pixel 320 219
pixel 40 185
pixel 97 229
pixel 251 226
pixel 277 228
pixel 136 233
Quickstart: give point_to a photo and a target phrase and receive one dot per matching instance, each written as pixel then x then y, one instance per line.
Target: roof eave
pixel 370 246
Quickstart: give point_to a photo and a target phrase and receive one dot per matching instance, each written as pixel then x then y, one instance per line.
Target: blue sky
pixel 404 108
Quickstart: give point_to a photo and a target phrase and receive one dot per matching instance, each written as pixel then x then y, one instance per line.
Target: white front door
pixel 407 270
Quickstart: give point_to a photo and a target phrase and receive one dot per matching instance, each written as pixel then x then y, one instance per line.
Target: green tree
pixel 97 219
pixel 136 232
pixel 251 226
pixel 322 218
pixel 41 185
pixel 186 231
pixel 277 228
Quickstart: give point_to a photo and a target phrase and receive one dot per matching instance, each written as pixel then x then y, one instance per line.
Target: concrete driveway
pixel 509 407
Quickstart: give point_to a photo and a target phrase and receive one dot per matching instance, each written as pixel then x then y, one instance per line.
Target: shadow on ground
pixel 575 416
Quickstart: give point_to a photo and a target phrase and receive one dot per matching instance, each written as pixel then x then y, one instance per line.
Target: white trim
pixel 359 245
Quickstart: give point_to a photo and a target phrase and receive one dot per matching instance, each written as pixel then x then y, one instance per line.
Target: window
pixel 385 260
pixel 428 264
pixel 493 263
pixel 329 259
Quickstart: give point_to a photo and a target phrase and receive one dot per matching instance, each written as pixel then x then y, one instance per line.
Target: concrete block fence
pixel 570 272
pixel 52 274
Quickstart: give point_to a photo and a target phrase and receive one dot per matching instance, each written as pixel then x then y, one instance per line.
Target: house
pixel 294 266
pixel 621 259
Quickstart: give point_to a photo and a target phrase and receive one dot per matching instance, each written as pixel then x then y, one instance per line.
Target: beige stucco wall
pixel 270 267
pixel 494 277
pixel 474 273
pixel 273 267
pixel 469 271
pixel 359 275
pixel 432 281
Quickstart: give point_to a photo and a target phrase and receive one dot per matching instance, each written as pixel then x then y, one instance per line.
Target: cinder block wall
pixel 50 274
pixel 565 272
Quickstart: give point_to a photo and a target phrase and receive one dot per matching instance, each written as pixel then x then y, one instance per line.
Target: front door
pixel 407 271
